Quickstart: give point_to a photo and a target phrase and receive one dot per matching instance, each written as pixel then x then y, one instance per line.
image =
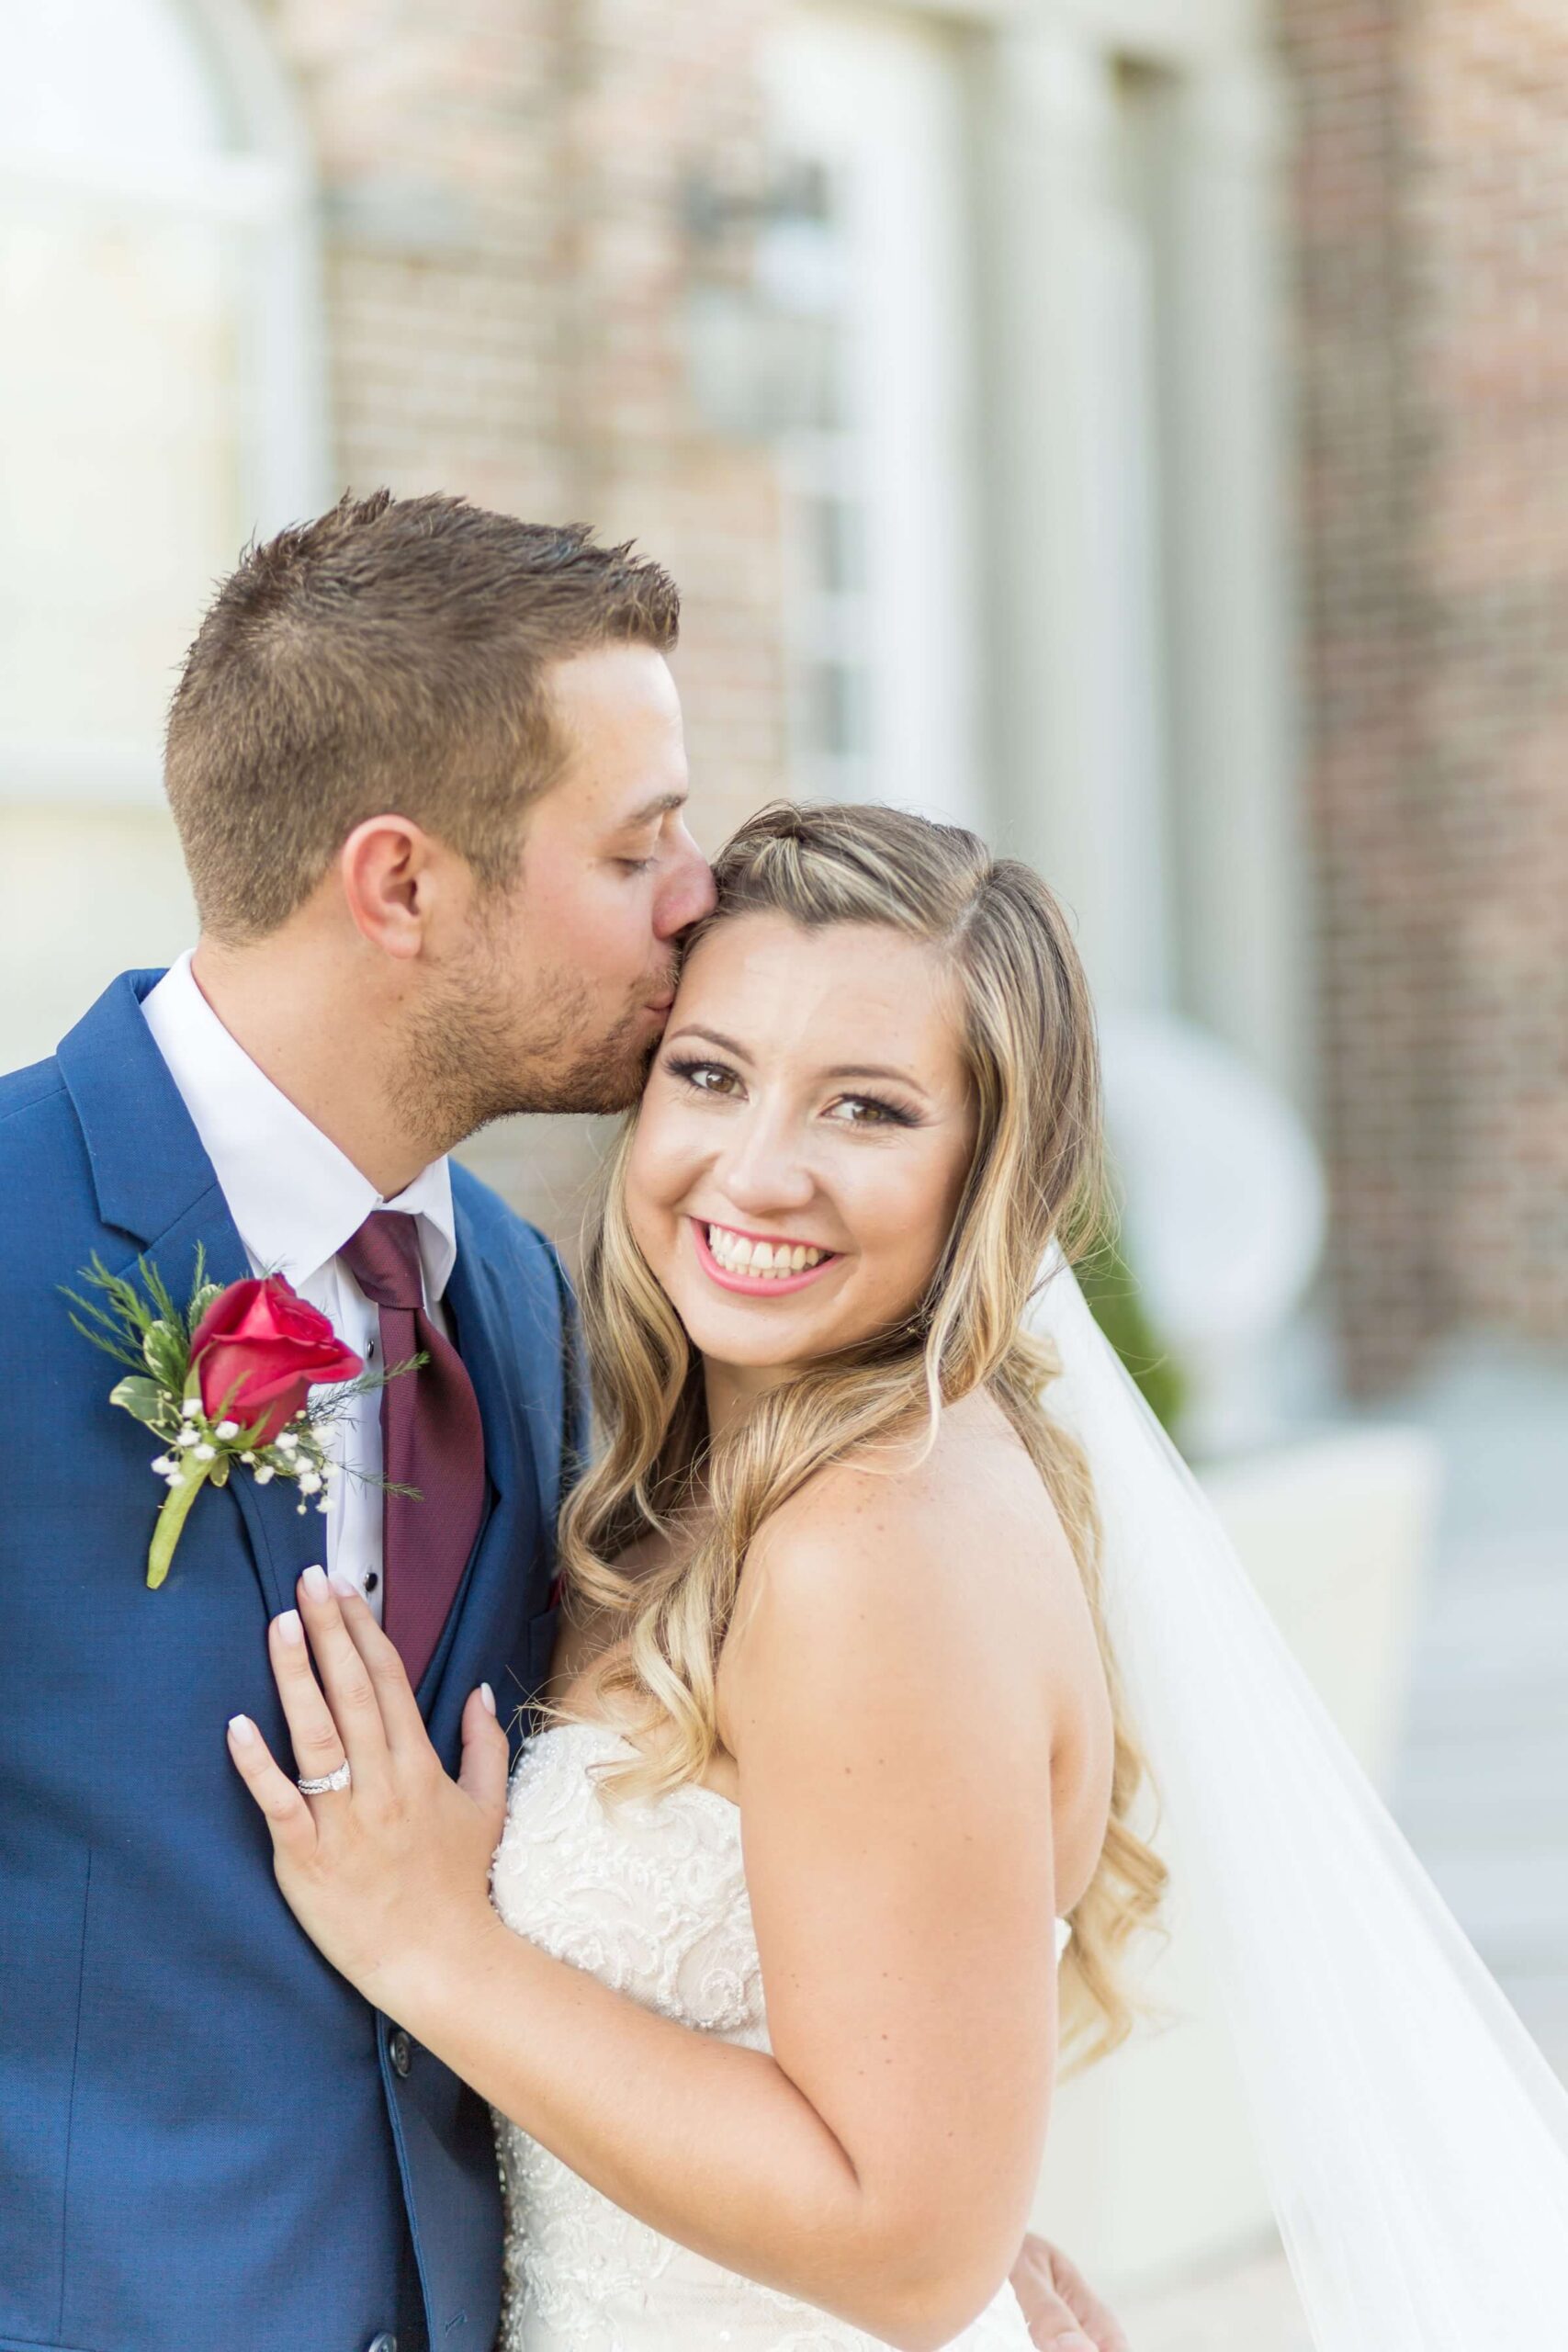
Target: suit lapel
pixel 156 1186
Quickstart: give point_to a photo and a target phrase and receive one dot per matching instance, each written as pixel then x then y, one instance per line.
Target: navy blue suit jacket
pixel 205 2140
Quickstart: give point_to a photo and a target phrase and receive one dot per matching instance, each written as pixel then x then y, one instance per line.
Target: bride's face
pixel 804 1140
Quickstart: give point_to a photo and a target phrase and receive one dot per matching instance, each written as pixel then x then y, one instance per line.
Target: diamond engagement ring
pixel 338 1779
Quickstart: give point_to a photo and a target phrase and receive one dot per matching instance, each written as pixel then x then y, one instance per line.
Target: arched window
pixel 158 373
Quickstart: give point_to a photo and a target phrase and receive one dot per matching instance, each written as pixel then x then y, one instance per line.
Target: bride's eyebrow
pixel 711 1037
pixel 879 1070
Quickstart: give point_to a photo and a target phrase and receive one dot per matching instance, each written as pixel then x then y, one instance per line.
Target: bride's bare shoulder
pixel 915 1527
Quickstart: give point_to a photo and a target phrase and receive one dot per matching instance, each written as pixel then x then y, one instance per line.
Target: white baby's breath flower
pixel 309 1482
pixel 247 1459
pixel 162 1464
pixel 206 1453
pixel 324 1504
pixel 287 1442
pixel 188 1436
pixel 226 1429
pixel 264 1473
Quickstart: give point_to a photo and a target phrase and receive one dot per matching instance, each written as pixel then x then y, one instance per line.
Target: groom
pixel 205 2137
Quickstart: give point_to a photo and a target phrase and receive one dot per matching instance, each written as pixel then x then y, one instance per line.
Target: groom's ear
pixel 391 871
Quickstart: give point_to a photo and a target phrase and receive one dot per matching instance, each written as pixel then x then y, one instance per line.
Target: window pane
pixel 119 479
pixel 109 80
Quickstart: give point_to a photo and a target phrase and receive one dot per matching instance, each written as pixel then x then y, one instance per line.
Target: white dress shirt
pixel 295 1200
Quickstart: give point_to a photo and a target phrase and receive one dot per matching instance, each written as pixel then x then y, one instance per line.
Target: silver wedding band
pixel 338 1779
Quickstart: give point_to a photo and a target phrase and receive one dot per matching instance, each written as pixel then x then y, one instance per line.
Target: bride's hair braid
pixel 1029 1041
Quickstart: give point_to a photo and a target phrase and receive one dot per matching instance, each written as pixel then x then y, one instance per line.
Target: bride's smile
pixel 790 1189
pixel 758 1265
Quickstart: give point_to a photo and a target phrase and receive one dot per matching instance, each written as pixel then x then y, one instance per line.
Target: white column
pixel 1049 158
pixel 1244 879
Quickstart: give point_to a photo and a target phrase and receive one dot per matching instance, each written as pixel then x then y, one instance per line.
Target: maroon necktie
pixel 431 1439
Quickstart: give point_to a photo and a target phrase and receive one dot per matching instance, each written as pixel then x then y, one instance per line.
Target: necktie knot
pixel 383 1257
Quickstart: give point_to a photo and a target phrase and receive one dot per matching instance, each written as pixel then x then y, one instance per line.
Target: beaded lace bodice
pixel 650 1897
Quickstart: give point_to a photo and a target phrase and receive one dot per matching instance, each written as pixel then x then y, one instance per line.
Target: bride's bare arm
pixel 886 1699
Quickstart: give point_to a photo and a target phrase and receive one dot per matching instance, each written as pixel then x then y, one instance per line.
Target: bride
pixel 756 1960
pixel 833 1742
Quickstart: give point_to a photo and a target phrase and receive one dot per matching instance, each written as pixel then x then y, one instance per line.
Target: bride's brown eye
pixel 869 1111
pixel 704 1077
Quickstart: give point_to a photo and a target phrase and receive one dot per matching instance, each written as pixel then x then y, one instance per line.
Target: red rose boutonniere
pixel 227 1380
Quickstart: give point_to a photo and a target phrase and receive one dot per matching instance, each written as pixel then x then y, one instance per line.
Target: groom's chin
pixel 611 1082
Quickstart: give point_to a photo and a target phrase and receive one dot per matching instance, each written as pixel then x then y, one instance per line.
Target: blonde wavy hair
pixel 1029 1046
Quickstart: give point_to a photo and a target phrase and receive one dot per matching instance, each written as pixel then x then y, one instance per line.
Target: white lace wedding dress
pixel 650 1897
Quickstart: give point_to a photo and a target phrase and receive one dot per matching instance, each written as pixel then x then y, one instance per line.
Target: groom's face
pixel 573 964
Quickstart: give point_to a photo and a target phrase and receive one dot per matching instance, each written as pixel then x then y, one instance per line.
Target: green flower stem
pixel 171 1520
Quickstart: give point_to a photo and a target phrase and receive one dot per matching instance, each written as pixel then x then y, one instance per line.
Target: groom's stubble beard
pixel 471 1053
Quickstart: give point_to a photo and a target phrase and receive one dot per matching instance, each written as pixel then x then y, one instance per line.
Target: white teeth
pixel 737 1254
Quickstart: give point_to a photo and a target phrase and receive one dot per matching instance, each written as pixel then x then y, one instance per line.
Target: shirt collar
pixel 294 1196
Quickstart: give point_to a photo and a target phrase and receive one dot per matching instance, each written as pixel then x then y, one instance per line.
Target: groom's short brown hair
pixel 388 657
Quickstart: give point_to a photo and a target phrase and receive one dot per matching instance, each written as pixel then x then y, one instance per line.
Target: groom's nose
pixel 688 892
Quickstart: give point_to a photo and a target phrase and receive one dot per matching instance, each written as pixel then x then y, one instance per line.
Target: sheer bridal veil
pixel 1413 2140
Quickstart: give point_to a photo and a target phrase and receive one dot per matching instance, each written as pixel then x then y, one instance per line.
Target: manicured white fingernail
pixel 487 1695
pixel 288 1626
pixel 344 1585
pixel 241 1731
pixel 315 1583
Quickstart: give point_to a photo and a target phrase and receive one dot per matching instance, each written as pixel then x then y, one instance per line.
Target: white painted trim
pixel 258 87
pixel 1049 146
pixel 1158 32
pixel 287 373
pixel 1155 31
pixel 264 187
pixel 224 188
pixel 1235 721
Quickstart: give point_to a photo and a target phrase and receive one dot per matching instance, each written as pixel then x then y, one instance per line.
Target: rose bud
pixel 258 1351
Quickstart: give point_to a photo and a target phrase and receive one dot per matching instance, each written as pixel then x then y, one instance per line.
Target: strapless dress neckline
pixel 604 1735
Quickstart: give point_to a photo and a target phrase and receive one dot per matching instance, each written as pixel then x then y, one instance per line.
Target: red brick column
pixel 1432 216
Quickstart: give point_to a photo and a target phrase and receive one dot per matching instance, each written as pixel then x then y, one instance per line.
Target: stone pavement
pixel 1481 1786
pixel 1482 1789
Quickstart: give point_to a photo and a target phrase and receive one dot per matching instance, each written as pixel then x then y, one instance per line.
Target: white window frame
pixel 264 186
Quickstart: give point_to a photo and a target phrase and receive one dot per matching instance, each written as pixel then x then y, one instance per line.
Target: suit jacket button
pixel 401 2056
pixel 382 2343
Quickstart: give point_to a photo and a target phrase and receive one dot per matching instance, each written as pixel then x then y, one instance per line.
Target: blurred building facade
pixel 1124 425
pixel 1431 209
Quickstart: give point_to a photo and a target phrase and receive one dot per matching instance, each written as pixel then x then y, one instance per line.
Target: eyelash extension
pixel 890 1111
pixel 686 1067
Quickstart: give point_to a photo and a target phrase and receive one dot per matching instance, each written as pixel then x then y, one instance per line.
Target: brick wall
pixel 505 281
pixel 1432 219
